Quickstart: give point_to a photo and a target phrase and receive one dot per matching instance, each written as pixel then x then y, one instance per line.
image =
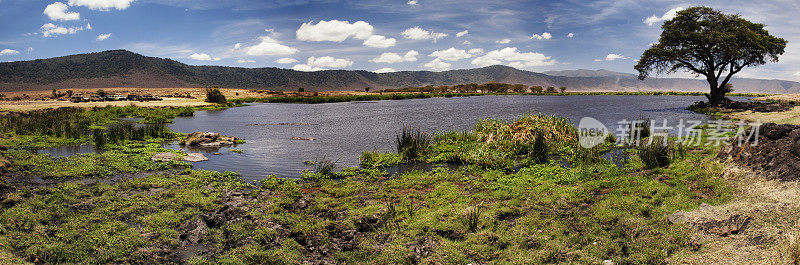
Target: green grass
pixel 485 212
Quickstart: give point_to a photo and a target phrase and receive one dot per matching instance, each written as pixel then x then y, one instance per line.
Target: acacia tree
pixel 710 43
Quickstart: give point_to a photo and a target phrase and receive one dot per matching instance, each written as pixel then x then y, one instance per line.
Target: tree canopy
pixel 709 43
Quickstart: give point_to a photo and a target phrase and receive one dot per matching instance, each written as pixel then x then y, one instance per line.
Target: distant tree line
pixel 484 88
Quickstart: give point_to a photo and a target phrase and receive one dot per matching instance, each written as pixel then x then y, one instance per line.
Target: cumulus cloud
pixel 795 74
pixel 237 46
pixel 102 5
pixel 544 36
pixel 390 57
pixel 503 41
pixel 245 61
pixel 8 52
pixel 466 42
pixel 203 57
pixel 269 47
pixel 321 63
pixel 378 41
pixel 334 30
pixel 437 65
pixel 461 34
pixel 286 60
pixel 103 37
pixel 511 57
pixel 52 30
pixel 612 57
pixel 58 12
pixel 412 3
pixel 667 16
pixel 570 35
pixel 451 54
pixel 385 70
pixel 417 33
pixel 475 51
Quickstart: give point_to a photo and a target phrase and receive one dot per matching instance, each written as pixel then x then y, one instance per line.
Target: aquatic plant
pixel 324 167
pixel 557 131
pixel 412 143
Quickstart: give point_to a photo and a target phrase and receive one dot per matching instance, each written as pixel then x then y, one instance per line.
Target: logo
pixel 591 132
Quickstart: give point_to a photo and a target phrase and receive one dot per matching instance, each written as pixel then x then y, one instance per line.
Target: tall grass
pixel 472 218
pixel 656 154
pixel 63 122
pixel 412 143
pixel 127 130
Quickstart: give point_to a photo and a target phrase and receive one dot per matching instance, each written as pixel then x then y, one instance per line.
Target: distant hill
pixel 589 73
pixel 120 68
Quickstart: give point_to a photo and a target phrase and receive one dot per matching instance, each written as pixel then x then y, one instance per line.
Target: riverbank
pixel 195 97
pixel 525 193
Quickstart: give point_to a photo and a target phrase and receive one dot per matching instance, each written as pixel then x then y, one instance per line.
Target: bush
pixel 412 143
pixel 213 95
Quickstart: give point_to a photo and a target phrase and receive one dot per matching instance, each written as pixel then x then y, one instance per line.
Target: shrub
pixel 412 143
pixel 213 95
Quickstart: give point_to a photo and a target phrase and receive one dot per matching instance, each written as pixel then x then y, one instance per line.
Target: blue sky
pixel 376 35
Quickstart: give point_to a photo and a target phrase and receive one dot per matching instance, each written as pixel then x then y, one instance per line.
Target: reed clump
pixel 412 143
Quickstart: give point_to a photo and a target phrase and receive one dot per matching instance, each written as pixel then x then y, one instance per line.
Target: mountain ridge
pixel 121 68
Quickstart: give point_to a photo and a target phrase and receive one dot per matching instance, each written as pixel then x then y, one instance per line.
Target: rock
pixel 608 262
pixel 195 157
pixel 678 217
pixel 164 157
pixel 209 139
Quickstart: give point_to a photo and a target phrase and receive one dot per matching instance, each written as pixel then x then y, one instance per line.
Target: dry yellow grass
pixel 773 207
pixel 784 117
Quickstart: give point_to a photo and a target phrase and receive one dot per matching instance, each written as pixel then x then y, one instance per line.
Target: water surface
pixel 341 131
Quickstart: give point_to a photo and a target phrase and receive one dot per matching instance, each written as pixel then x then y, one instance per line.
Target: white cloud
pixel 667 16
pixel 461 34
pixel 417 33
pixel 570 35
pixel 88 26
pixel 378 41
pixel 385 70
pixel 286 60
pixel 58 12
pixel 203 57
pixel 513 58
pixel 412 3
pixel 437 65
pixel 390 57
pixel 321 63
pixel 466 42
pixel 334 30
pixel 451 54
pixel 103 37
pixel 503 41
pixel 612 57
pixel 102 5
pixel 544 36
pixel 245 61
pixel 51 30
pixel 8 52
pixel 475 51
pixel 795 74
pixel 29 49
pixel 237 46
pixel 269 47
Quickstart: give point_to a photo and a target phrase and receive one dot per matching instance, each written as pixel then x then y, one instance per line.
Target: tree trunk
pixel 716 95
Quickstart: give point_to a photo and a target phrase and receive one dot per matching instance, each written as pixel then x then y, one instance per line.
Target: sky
pixel 375 35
